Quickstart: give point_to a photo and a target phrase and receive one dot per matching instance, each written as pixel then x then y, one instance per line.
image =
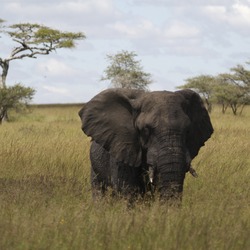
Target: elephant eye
pixel 146 131
pixel 145 134
pixel 188 131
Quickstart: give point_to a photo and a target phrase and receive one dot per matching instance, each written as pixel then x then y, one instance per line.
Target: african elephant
pixel 142 138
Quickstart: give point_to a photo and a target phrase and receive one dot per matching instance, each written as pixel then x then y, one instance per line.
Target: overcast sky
pixel 174 40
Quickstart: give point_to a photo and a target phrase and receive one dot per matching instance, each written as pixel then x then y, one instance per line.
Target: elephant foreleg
pixel 99 187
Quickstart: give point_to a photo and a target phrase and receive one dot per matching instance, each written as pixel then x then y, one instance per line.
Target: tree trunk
pixel 3 115
pixel 243 105
pixel 224 108
pixel 5 68
pixel 234 108
pixel 209 105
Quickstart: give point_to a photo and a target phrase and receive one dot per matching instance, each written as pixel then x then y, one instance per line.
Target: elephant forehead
pixel 164 110
pixel 159 98
pixel 162 102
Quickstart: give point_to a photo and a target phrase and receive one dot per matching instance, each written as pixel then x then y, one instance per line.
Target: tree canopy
pixel 125 71
pixel 33 40
pixel 228 89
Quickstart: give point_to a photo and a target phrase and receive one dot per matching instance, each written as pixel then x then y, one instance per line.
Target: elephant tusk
pixel 151 174
pixel 193 172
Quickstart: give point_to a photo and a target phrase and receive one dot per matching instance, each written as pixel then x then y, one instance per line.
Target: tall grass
pixel 46 203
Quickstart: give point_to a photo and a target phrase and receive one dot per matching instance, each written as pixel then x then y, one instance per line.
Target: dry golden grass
pixel 46 203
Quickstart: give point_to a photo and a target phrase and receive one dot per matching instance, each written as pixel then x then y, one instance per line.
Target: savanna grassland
pixel 46 202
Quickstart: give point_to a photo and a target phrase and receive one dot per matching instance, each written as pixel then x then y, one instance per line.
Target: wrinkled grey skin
pixel 143 137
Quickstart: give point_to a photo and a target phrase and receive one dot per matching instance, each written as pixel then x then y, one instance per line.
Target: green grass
pixel 46 203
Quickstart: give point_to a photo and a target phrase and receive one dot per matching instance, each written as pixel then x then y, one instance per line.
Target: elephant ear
pixel 109 119
pixel 201 128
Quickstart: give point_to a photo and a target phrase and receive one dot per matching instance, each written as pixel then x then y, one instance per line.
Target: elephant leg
pixel 100 170
pixel 99 187
pixel 130 182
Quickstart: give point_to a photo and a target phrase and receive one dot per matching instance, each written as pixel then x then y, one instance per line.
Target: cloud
pixel 139 29
pixel 234 15
pixel 80 6
pixel 180 30
pixel 56 90
pixel 143 28
pixel 87 6
pixel 69 15
pixel 136 29
pixel 54 67
pixel 172 37
pixel 238 15
pixel 184 2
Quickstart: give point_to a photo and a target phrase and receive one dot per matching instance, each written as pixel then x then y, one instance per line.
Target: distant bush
pixel 14 97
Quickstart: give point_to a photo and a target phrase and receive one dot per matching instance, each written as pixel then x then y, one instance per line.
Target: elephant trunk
pixel 171 185
pixel 172 167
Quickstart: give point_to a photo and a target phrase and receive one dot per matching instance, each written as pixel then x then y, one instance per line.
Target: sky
pixel 174 41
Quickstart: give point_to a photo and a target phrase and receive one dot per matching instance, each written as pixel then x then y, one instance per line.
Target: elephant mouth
pixel 151 176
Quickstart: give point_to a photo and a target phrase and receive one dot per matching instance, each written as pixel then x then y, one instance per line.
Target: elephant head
pixel 162 130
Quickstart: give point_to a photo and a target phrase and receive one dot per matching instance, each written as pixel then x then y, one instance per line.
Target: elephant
pixel 144 141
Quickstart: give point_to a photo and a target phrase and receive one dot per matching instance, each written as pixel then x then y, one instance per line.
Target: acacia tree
pixel 229 95
pixel 33 40
pixel 234 88
pixel 202 84
pixel 125 71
